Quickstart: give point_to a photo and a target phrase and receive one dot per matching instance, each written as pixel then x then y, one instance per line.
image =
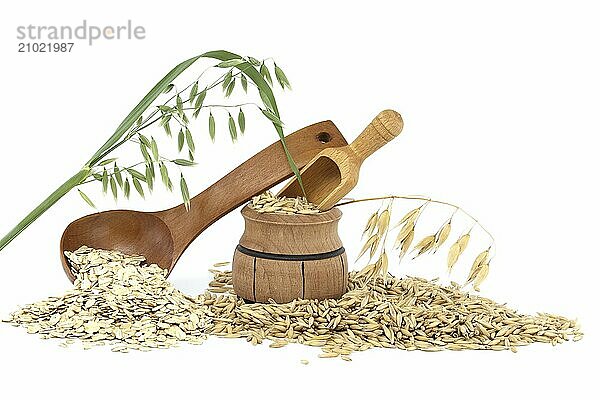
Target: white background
pixel 500 102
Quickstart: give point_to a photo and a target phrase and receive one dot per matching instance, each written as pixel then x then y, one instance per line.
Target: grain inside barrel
pixel 285 257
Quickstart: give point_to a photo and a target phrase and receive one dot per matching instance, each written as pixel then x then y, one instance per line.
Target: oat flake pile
pixel 116 299
pixel 119 300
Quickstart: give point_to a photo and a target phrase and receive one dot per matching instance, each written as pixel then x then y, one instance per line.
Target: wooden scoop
pixel 334 172
pixel 163 236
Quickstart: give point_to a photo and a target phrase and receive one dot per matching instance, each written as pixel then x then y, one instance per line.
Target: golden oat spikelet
pixel 457 249
pixel 409 217
pixel 367 271
pixel 404 232
pixel 424 245
pixel 371 224
pixel 382 264
pixel 374 239
pixel 374 247
pixel 383 222
pixel 406 242
pixel 481 275
pixel 480 260
pixel 442 234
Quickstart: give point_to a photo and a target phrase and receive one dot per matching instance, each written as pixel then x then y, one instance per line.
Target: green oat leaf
pixel 242 121
pixel 185 193
pixel 106 162
pixel 200 99
pixel 169 87
pixel 230 88
pixel 179 104
pixel 281 78
pixel 104 181
pixel 193 92
pixel 264 71
pixel 126 188
pixel 150 177
pixel 232 128
pixel 230 63
pixel 266 101
pixel 227 80
pixel 113 187
pixel 164 174
pixel 86 199
pixel 151 166
pixel 180 140
pixel 136 174
pixel 144 140
pixel 274 118
pixel 167 127
pixel 154 148
pixel 190 141
pixel 165 119
pixel 244 83
pixel 183 162
pixel 138 186
pixel 198 104
pixel 145 153
pixel 118 175
pixel 211 127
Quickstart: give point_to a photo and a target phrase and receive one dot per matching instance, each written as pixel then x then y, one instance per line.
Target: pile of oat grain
pixel 409 314
pixel 269 203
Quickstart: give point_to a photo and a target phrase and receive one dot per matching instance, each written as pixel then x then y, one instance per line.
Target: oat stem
pixel 44 205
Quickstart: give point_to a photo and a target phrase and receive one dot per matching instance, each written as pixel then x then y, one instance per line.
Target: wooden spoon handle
pixel 259 173
pixel 385 126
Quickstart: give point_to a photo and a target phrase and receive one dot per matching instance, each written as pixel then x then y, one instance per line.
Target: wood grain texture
pixel 278 280
pixel 333 173
pixel 291 234
pixel 302 236
pixel 326 279
pixel 243 271
pixel 164 235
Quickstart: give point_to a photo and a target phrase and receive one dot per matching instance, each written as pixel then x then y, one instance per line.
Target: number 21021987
pixel 44 47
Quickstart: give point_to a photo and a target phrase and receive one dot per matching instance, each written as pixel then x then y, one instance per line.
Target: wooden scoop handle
pixel 385 126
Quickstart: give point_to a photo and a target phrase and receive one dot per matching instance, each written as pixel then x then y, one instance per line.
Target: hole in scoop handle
pixel 385 126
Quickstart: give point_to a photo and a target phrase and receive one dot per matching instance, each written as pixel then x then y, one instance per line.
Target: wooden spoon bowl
pixel 131 232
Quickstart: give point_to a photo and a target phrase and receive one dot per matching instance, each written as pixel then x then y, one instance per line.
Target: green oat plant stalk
pixel 378 226
pixel 245 69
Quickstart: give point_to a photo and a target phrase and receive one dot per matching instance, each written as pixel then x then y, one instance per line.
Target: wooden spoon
pixel 163 236
pixel 333 173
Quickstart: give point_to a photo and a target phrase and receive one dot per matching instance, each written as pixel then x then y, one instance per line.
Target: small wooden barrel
pixel 285 257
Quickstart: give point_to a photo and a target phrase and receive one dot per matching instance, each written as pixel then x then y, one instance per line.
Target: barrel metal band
pixel 290 257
